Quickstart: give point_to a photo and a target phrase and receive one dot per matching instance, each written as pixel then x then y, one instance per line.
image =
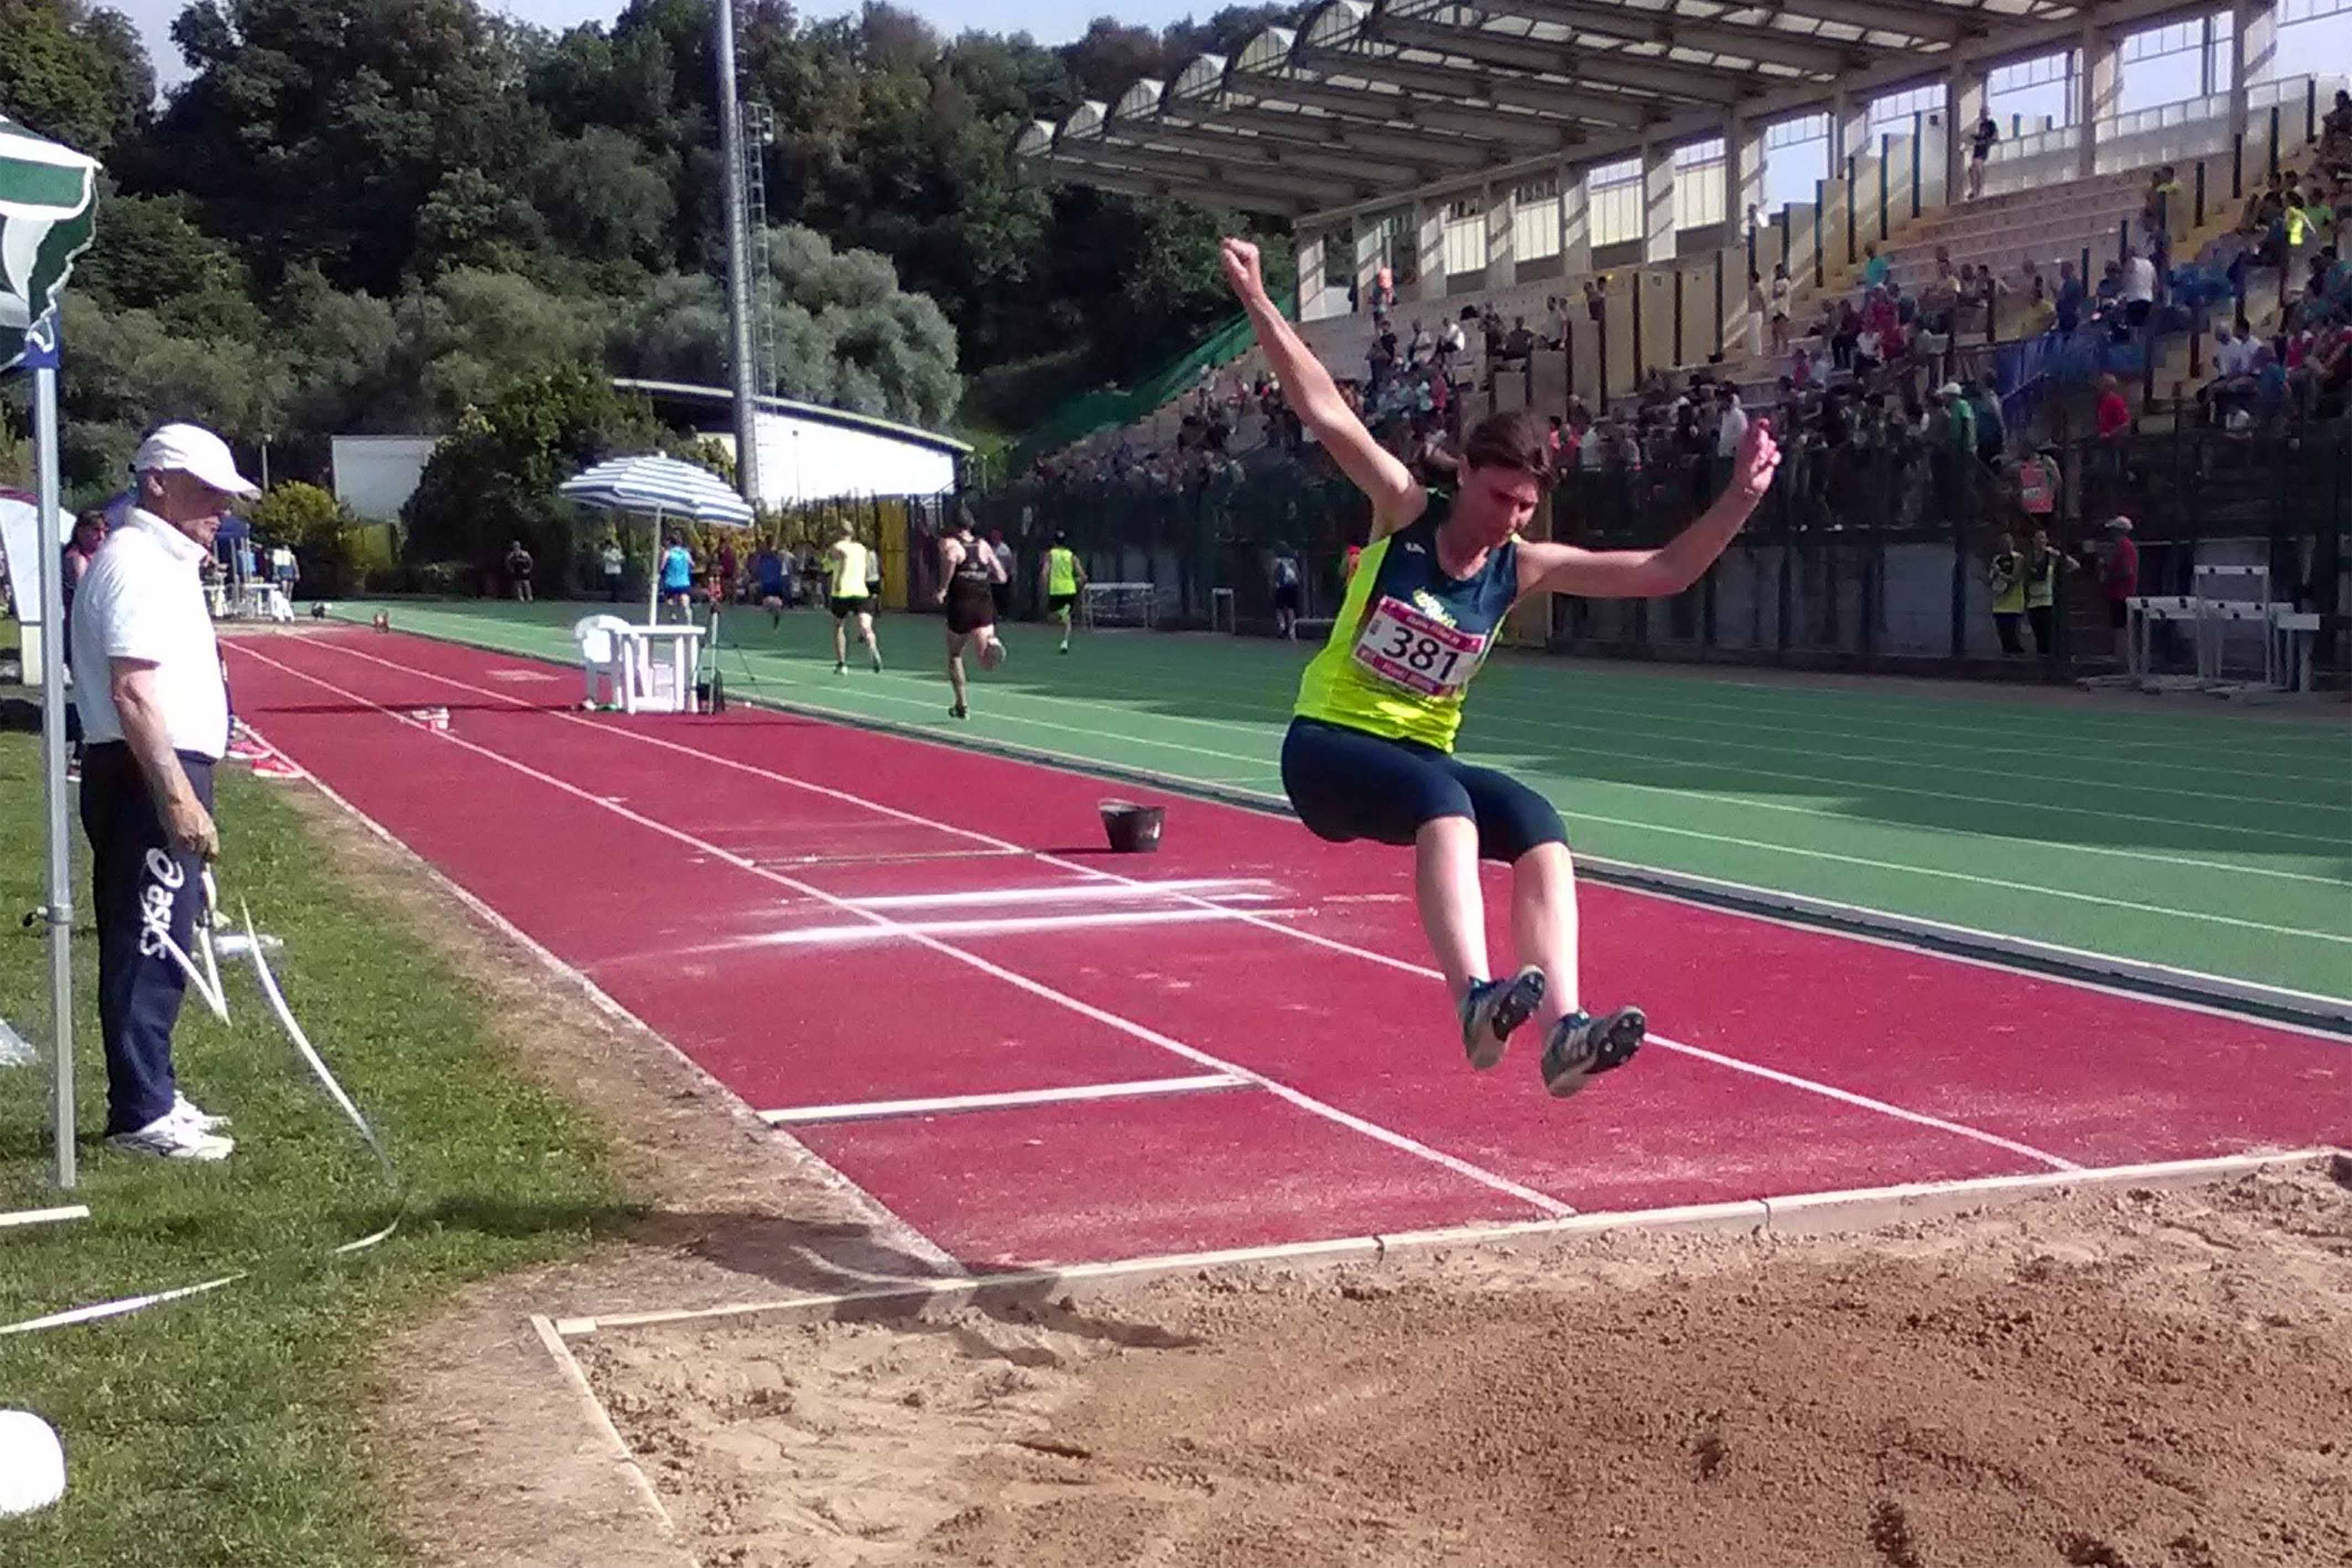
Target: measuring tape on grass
pixel 206 981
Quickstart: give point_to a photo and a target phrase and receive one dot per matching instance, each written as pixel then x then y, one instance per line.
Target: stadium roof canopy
pixel 1372 98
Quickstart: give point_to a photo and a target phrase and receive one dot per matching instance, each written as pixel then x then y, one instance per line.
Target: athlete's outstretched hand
pixel 1242 269
pixel 1758 459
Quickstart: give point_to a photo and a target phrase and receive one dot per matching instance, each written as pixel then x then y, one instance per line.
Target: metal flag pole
pixel 58 906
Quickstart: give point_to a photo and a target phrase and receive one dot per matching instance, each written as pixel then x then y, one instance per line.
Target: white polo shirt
pixel 141 599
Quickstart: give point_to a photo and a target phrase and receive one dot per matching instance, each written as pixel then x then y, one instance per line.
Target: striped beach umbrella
pixel 659 488
pixel 49 200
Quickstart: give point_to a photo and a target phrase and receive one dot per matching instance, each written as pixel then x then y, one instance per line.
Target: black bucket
pixel 1134 830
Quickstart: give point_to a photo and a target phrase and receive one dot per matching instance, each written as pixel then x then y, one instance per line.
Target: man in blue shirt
pixel 677 580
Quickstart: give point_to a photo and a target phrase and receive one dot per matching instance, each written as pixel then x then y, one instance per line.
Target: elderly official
pixel 154 713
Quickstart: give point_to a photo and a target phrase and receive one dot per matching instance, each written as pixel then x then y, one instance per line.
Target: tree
pixel 847 335
pixel 75 74
pixel 472 331
pixel 324 130
pixel 149 255
pixel 494 479
pixel 607 196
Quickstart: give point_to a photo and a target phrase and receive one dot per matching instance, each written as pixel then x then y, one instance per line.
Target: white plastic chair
pixel 603 659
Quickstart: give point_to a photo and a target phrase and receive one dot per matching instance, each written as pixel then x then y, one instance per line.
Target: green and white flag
pixel 48 201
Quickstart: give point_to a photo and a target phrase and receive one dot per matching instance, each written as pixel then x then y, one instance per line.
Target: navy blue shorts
pixel 1349 784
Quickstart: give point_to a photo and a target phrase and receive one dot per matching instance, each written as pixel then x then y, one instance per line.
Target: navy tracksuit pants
pixel 142 886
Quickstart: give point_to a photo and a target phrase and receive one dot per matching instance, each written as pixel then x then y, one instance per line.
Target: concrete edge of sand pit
pixel 1856 1209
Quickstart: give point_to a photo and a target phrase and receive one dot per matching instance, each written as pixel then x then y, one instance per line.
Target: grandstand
pixel 1614 174
pixel 1468 158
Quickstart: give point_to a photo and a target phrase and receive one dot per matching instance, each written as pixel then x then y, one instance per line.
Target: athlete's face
pixel 1496 503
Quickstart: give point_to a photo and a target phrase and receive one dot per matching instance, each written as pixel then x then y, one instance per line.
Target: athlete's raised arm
pixel 1673 565
pixel 1315 398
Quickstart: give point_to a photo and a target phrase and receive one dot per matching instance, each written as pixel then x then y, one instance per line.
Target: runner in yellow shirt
pixel 1064 578
pixel 852 595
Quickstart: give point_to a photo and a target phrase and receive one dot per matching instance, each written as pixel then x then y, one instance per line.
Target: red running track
pixel 792 903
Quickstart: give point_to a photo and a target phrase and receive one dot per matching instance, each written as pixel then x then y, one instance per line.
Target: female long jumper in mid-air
pixel 1369 752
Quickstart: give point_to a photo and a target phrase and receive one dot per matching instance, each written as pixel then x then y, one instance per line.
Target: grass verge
pixel 232 1428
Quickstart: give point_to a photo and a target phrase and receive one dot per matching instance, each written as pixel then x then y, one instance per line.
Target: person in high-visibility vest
pixel 2005 575
pixel 1064 578
pixel 2041 574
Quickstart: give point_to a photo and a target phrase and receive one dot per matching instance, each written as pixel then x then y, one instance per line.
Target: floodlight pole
pixel 56 907
pixel 739 263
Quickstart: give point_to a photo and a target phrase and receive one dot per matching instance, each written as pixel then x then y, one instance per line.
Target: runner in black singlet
pixel 969 571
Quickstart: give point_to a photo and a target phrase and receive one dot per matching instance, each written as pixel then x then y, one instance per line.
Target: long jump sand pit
pixel 2127 1375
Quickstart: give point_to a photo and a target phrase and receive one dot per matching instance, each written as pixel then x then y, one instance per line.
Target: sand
pixel 2124 1379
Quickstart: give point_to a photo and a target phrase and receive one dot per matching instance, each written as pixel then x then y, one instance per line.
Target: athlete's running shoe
pixel 1065 647
pixel 1493 1008
pixel 878 663
pixel 958 711
pixel 840 666
pixel 992 654
pixel 1581 1045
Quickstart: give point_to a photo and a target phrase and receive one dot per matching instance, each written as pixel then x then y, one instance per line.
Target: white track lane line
pixel 1771 1074
pixel 1541 1201
pixel 949 1104
pixel 865 931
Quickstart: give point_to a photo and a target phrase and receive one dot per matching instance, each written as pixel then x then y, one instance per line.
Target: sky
pixel 1049 21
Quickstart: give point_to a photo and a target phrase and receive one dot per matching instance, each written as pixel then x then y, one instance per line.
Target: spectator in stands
pixel 1992 429
pixel 2005 577
pixel 1779 306
pixel 2118 576
pixel 1960 417
pixel 2040 313
pixel 1596 296
pixel 2113 415
pixel 1520 346
pixel 2336 132
pixel 2137 292
pixel 1845 330
pixel 1981 145
pixel 1422 348
pixel 2069 303
pixel 2160 211
pixel 1758 311
pixel 1731 427
pixel 519 569
pixel 2110 292
pixel 1874 267
pixel 1451 344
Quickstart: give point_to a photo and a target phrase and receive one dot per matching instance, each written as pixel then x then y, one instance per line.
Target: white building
pixel 806 452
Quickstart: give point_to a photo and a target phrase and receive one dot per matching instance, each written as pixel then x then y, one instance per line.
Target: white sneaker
pixel 169 1138
pixel 186 1110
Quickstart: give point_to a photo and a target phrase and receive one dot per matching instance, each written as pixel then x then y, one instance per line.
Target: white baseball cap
pixel 192 450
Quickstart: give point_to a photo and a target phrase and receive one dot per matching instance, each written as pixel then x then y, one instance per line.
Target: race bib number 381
pixel 1406 648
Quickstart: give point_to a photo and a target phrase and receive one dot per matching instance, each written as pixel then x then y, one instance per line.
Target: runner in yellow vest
pixel 1064 578
pixel 852 595
pixel 2005 575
